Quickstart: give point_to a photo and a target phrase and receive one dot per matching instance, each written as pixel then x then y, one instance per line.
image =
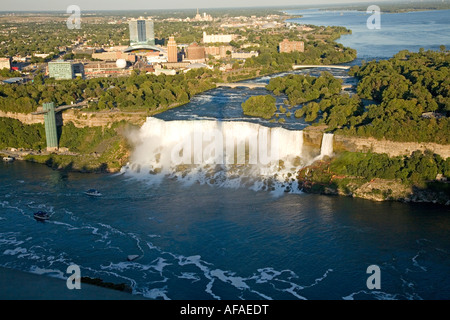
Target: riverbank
pixel 19 285
pixel 395 8
pixel 320 178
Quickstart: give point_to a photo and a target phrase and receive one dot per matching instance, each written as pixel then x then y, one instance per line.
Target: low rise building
pixel 88 51
pixel 41 55
pixel 21 59
pixel 169 72
pixel 114 56
pixel 218 52
pixel 291 46
pixel 214 38
pixel 15 80
pixel 65 70
pixel 196 66
pixel 5 63
pixel 244 55
pixel 102 69
pixel 175 65
pixel 195 52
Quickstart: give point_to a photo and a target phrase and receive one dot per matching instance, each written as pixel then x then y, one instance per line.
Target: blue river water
pixel 201 242
pixel 398 31
pixel 197 241
pixel 224 104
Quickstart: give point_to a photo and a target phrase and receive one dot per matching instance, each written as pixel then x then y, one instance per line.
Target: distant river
pixel 399 31
pixel 201 241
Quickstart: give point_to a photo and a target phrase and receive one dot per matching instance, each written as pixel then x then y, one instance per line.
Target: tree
pixel 260 106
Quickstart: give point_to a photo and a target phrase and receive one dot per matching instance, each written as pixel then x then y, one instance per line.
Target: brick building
pixel 291 46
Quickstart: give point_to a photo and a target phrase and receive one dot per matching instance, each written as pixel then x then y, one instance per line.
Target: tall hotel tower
pixel 141 32
pixel 172 54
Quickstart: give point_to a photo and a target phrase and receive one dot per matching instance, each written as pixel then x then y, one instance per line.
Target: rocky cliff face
pixel 82 119
pixel 312 136
pixel 317 178
pixel 392 148
pixel 26 118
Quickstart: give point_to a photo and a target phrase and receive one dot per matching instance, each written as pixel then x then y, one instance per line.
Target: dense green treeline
pixel 406 88
pixel 316 53
pixel 263 106
pixel 86 139
pixel 415 169
pixel 304 88
pixel 335 111
pixel 14 133
pixel 326 103
pixel 411 92
pixel 6 73
pixel 422 77
pixel 138 91
pixel 419 176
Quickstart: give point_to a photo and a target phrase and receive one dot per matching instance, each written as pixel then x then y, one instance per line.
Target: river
pixel 398 31
pixel 197 239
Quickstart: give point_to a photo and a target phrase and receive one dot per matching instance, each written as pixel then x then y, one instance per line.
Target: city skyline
pixel 54 5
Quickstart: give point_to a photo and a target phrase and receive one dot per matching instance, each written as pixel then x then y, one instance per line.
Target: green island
pixel 408 101
pixel 260 106
pixel 403 99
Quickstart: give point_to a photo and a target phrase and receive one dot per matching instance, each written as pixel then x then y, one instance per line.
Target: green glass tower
pixel 50 126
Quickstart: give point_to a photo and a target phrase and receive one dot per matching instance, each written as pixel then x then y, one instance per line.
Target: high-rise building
pixel 63 70
pixel 172 53
pixel 141 32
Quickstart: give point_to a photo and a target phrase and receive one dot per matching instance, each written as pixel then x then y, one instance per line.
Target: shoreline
pixel 377 190
pixel 21 285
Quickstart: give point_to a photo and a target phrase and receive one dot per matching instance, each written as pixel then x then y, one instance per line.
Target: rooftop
pixel 13 80
pixel 138 47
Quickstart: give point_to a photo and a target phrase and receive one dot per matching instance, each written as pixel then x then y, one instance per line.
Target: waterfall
pixel 228 153
pixel 326 148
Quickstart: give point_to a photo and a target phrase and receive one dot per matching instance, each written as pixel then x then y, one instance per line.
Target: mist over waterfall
pixel 220 153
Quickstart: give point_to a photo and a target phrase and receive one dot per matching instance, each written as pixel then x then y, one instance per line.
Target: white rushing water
pixel 326 148
pixel 227 154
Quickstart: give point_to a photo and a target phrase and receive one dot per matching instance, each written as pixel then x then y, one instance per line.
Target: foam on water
pixel 49 272
pixel 15 251
pixel 228 154
pixel 153 274
pixel 378 295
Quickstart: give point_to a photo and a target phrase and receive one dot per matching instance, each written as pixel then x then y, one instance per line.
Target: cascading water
pixel 326 148
pixel 226 154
